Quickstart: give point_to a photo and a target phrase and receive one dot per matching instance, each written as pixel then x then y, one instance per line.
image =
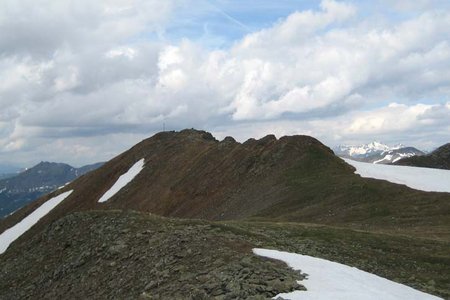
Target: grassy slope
pixel 323 191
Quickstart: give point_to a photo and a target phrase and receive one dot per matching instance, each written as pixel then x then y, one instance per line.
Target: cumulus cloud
pixel 394 123
pixel 74 74
pixel 39 28
pixel 394 117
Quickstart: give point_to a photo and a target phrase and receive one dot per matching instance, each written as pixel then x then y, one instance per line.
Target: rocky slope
pixel 131 256
pixel 439 158
pixel 20 189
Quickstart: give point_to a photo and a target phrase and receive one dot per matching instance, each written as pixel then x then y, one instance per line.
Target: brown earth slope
pixel 190 174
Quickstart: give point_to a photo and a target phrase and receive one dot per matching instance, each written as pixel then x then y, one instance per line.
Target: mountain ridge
pixel 189 174
pixel 290 193
pixel 439 158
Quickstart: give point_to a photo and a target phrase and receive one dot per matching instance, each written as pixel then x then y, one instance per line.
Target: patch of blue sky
pixel 219 23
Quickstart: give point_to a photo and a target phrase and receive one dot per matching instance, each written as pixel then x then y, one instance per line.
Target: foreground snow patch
pixel 11 234
pixel 329 280
pixel 123 180
pixel 425 179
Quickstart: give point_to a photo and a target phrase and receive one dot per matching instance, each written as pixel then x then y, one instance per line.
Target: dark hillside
pixel 439 159
pixel 323 191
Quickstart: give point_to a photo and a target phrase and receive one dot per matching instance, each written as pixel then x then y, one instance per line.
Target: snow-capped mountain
pixel 376 152
pixel 395 155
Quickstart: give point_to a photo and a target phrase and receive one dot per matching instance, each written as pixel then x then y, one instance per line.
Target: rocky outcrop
pixel 129 256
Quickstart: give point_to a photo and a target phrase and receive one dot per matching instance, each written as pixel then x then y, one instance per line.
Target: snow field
pixel 425 179
pixel 330 280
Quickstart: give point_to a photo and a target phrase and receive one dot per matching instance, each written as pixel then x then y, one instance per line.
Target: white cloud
pixel 68 80
pixel 80 70
pixel 393 123
pixel 409 60
pixel 127 52
pixel 394 117
pixel 299 25
pixel 40 27
pixel 169 56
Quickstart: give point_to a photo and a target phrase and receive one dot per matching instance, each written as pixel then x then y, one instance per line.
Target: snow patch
pixel 64 185
pixel 123 180
pixel 402 155
pixel 330 280
pixel 11 234
pixel 387 158
pixel 365 149
pixel 425 179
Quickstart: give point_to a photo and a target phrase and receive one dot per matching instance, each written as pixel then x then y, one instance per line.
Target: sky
pixel 81 81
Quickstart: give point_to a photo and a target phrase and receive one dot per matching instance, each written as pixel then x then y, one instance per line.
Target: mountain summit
pixel 365 149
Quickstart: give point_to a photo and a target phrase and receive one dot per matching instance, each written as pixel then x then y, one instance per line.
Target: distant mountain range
pixel 16 190
pixel 377 152
pixel 439 159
